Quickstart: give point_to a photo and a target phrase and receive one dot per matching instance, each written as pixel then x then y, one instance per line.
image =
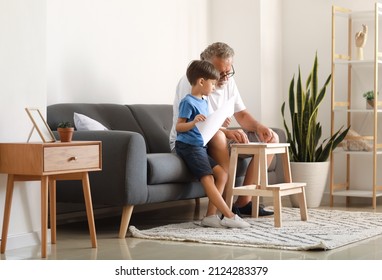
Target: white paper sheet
pixel 211 125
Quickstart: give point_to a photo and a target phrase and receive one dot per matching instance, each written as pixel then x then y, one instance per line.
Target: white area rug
pixel 325 229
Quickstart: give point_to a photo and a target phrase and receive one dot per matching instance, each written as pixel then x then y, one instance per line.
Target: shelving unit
pixel 346 99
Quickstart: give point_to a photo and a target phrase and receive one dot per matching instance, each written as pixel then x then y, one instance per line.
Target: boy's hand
pixel 200 118
pixel 227 122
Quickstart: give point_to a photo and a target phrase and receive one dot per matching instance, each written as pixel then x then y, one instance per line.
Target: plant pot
pixel 66 134
pixel 315 175
pixel 370 104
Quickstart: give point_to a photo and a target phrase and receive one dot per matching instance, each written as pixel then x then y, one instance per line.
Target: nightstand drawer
pixel 71 158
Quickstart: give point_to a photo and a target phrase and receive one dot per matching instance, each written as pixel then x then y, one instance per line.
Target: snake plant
pixel 305 132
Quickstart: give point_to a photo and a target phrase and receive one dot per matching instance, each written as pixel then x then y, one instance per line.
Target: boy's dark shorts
pixel 196 159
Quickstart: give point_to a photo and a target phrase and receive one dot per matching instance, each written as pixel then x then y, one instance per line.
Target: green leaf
pixel 304 133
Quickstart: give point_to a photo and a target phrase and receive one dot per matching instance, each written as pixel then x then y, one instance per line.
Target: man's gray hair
pixel 218 49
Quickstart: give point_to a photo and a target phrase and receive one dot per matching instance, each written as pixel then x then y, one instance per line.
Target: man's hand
pixel 238 135
pixel 265 134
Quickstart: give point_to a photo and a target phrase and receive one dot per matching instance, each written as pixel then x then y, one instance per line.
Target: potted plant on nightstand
pixel 65 130
pixel 308 154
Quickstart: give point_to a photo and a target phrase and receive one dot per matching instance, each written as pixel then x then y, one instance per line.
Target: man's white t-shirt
pixel 215 101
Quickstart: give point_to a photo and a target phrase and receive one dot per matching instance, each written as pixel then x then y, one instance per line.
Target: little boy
pixel 203 76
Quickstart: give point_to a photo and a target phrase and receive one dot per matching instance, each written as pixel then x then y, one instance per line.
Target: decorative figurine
pixel 360 41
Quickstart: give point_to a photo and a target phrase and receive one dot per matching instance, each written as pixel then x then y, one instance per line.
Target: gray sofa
pixel 138 166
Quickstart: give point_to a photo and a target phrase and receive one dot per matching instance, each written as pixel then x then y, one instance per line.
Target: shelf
pixel 366 62
pixel 363 15
pixel 357 193
pixel 354 76
pixel 345 110
pixel 359 15
pixel 358 153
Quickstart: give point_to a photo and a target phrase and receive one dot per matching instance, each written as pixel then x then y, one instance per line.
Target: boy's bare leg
pixel 216 201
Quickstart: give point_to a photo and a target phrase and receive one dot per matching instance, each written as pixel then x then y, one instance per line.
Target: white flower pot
pixel 315 175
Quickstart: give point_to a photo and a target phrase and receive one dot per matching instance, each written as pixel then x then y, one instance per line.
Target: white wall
pixel 239 26
pixel 121 51
pixel 271 39
pixel 22 84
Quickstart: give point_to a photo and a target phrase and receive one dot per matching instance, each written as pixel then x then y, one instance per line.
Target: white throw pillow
pixel 83 122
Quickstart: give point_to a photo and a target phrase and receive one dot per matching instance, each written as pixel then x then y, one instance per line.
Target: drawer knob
pixel 72 159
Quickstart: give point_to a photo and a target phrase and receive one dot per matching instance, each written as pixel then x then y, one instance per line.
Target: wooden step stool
pixel 261 187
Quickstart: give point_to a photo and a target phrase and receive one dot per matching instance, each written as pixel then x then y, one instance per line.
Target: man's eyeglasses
pixel 227 75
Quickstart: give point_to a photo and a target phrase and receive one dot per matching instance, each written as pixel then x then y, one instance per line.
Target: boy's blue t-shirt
pixel 189 107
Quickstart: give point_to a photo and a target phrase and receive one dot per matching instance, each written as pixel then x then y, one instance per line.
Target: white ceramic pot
pixel 315 175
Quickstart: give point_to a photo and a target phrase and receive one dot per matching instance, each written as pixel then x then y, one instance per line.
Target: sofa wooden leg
pixel 125 220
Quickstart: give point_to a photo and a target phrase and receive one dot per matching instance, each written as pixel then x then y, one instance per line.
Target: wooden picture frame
pixel 40 125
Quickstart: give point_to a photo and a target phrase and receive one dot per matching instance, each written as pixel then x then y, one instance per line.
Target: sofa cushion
pixel 82 122
pixel 167 168
pixel 155 121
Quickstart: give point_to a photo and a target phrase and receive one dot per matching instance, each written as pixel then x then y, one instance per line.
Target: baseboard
pixel 25 240
pixel 72 212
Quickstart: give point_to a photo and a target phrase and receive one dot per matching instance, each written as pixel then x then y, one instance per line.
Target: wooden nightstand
pixel 48 162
